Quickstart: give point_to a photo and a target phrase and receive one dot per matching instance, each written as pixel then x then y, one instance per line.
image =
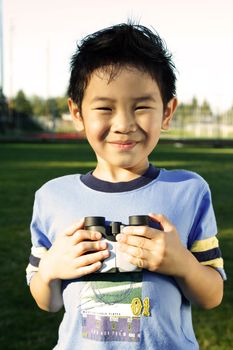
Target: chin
pixel 128 165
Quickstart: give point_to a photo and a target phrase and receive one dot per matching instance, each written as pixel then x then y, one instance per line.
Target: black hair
pixel 118 46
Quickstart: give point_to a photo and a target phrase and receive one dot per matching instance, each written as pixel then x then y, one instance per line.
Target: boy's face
pixel 122 118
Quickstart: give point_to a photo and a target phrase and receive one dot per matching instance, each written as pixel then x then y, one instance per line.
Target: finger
pixel 136 241
pixel 84 235
pixel 148 263
pixel 91 258
pixel 143 231
pixel 163 221
pixel 137 261
pixel 86 270
pixel 86 246
pixel 73 228
pixel 135 251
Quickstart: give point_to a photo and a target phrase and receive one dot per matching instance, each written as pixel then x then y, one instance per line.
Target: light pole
pixel 1 49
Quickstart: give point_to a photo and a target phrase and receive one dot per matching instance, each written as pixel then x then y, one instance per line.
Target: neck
pixel 117 174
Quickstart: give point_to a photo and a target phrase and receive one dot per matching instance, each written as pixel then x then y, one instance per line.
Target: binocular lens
pixel 94 221
pixel 139 220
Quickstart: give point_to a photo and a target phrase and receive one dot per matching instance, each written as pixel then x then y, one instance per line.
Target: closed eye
pixel 142 107
pixel 103 109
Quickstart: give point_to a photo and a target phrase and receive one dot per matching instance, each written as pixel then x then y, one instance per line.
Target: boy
pixel 122 93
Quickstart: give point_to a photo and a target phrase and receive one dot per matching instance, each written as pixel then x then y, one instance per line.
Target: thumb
pixel 165 224
pixel 72 229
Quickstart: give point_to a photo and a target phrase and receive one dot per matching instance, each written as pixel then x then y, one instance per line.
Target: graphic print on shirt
pixel 112 306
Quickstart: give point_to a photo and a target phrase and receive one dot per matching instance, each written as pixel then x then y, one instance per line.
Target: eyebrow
pixel 102 99
pixel 135 99
pixel 144 98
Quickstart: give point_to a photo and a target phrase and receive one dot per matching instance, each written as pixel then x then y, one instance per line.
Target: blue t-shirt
pixel 136 310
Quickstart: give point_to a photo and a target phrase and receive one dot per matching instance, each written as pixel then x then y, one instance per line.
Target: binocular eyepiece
pixel 134 220
pixel 111 229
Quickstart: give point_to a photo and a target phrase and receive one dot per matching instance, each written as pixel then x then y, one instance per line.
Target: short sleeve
pixel 40 243
pixel 203 241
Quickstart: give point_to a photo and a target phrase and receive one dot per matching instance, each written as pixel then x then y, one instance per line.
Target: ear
pixel 168 113
pixel 75 114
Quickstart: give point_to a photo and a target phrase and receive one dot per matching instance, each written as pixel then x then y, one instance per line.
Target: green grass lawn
pixel 25 167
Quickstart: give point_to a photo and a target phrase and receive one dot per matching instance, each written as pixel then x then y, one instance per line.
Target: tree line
pixel 38 106
pixel 17 112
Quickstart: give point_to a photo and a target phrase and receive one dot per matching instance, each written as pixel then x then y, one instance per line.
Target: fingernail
pixel 125 229
pixel 119 237
pixel 98 235
pixel 105 253
pixel 103 245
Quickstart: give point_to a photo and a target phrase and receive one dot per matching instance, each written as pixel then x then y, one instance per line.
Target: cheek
pixel 151 125
pixel 96 129
pixel 152 128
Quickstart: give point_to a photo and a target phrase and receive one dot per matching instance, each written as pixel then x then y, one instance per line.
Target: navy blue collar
pixel 113 187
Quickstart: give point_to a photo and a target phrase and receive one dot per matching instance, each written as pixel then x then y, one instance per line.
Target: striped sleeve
pixel 34 260
pixel 39 239
pixel 208 253
pixel 203 241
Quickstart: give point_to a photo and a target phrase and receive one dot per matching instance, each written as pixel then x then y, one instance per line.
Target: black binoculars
pixel 116 262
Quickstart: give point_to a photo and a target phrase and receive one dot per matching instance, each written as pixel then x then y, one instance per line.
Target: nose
pixel 124 122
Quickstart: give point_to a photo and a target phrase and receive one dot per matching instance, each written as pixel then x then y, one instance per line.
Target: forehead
pixel 121 81
pixel 113 72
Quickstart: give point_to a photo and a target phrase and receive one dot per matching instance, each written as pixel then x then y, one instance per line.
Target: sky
pixel 39 37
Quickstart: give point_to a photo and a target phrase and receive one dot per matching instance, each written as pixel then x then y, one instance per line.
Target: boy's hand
pixel 67 258
pixel 152 249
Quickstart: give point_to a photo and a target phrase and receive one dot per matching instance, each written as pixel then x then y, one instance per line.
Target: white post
pixel 1 48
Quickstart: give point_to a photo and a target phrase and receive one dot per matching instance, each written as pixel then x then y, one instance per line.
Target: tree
pixel 206 109
pixel 62 104
pixel 3 111
pixel 194 104
pixel 38 106
pixel 21 104
pixel 52 107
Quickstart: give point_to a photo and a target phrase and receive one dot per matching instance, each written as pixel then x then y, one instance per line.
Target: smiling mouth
pixel 127 145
